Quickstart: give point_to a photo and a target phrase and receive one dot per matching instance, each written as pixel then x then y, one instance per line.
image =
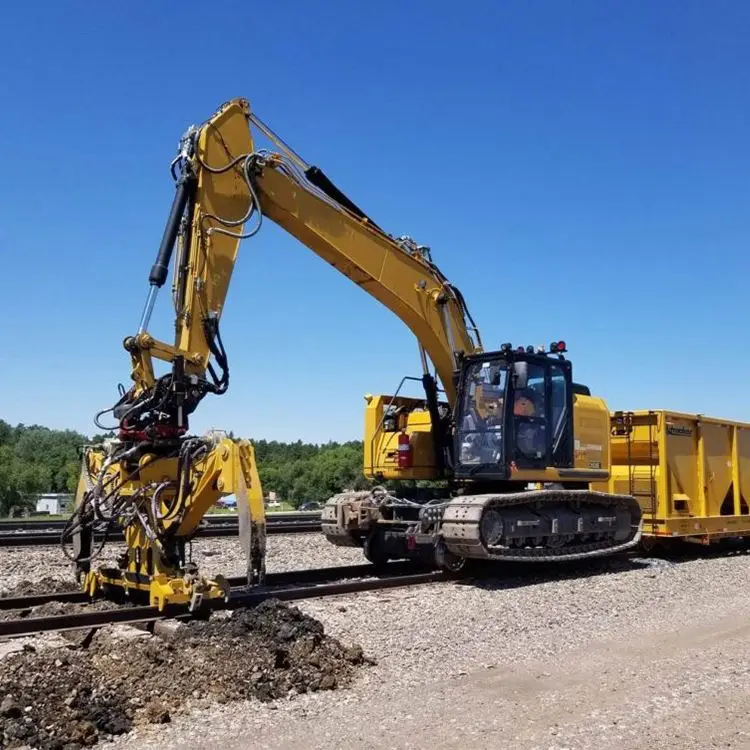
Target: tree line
pixel 300 472
pixel 36 459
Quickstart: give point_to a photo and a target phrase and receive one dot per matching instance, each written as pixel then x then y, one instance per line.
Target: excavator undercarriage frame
pixel 526 526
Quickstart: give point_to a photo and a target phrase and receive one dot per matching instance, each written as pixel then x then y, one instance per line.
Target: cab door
pixel 541 417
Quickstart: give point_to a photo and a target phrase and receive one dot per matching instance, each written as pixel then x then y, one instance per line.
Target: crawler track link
pixel 562 525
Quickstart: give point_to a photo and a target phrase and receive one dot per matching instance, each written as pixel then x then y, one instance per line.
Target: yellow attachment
pixel 690 474
pixel 211 256
pixel 162 590
pixel 151 563
pixel 207 264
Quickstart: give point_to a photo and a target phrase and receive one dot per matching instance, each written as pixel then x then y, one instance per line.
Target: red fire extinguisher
pixel 404 451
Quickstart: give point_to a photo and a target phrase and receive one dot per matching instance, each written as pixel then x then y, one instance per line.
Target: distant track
pixel 39 533
pixel 38 524
pixel 287 586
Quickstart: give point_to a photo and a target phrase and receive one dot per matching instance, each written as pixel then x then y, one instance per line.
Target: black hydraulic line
pixel 185 259
pixel 317 177
pixel 439 435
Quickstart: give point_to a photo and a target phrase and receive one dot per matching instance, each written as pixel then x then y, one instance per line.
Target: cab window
pixel 480 434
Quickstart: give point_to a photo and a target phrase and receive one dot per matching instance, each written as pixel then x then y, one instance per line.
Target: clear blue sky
pixel 581 170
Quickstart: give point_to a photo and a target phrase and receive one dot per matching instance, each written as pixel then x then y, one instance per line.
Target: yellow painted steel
pixel 399 276
pixel 202 272
pixel 690 473
pixel 231 176
pixel 210 258
pixel 212 255
pixel 591 430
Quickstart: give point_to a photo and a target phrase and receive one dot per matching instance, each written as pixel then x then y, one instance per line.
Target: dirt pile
pixel 54 608
pixel 56 699
pixel 69 698
pixel 46 585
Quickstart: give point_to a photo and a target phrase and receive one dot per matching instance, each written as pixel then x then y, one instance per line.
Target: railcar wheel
pixel 374 549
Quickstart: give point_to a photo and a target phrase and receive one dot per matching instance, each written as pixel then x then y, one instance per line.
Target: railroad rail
pixel 287 586
pixel 31 524
pixel 28 534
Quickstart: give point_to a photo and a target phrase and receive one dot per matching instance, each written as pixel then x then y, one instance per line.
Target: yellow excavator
pixel 510 441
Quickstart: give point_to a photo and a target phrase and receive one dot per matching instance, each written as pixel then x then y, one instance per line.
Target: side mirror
pixel 520 375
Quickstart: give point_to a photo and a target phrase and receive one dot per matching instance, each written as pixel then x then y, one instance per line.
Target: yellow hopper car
pixel 689 473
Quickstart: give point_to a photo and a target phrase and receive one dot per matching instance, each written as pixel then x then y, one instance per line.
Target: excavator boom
pixel 399 274
pixel 226 182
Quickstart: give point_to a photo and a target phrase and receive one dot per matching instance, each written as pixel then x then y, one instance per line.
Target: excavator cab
pixel 525 445
pixel 514 413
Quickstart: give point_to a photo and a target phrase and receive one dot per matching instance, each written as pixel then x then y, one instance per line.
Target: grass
pixel 283 508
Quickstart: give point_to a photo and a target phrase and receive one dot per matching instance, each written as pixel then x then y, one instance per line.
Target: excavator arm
pixel 202 237
pixel 222 184
pixel 398 273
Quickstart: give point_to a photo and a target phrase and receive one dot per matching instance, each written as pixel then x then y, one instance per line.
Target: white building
pixel 54 503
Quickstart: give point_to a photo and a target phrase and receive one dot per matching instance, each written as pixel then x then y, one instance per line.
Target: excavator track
pixel 540 525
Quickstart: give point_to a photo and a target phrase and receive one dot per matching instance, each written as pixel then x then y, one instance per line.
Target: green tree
pixel 300 472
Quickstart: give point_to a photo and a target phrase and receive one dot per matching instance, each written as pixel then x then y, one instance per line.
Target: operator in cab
pixel 524 405
pixel 530 436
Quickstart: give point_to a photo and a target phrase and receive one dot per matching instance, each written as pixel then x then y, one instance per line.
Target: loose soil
pixel 67 698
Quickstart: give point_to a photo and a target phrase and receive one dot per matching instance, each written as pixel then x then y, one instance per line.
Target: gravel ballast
pixel 646 654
